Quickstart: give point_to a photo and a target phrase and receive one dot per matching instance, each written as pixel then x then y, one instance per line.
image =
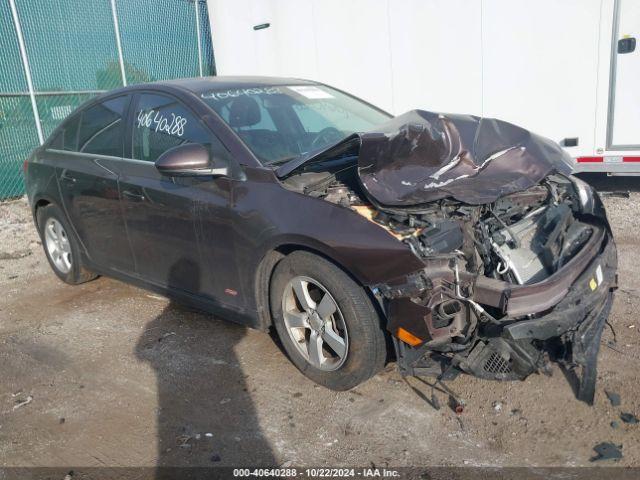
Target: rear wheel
pixel 326 322
pixel 61 246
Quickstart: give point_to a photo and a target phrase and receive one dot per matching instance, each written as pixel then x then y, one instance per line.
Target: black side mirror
pixel 191 159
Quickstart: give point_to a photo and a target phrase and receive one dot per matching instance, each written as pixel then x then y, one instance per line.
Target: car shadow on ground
pixel 205 414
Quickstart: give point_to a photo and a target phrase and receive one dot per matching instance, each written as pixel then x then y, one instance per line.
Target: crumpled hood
pixel 421 156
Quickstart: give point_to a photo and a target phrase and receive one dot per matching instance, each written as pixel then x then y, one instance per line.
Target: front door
pixel 624 115
pixel 87 154
pixel 161 212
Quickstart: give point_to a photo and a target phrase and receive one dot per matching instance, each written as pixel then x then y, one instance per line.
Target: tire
pixel 68 264
pixel 355 314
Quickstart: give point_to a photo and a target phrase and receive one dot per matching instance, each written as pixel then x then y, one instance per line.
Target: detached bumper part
pixel 569 332
pixel 586 345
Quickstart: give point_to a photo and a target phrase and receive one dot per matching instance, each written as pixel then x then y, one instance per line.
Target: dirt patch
pixel 19 241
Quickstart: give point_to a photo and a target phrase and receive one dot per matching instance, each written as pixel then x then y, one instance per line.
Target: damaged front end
pixel 515 292
pixel 519 260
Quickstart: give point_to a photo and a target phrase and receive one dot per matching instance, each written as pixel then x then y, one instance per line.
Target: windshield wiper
pixel 284 160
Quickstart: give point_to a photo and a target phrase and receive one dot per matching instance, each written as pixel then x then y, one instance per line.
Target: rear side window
pixel 161 122
pixel 102 128
pixel 67 137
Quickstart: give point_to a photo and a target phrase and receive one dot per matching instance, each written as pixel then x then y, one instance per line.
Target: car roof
pixel 200 85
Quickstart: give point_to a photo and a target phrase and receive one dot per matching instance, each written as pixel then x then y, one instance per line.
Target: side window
pixel 161 122
pixel 102 128
pixel 67 137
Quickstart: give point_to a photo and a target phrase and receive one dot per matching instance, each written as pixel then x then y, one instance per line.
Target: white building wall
pixel 536 63
pixel 436 59
pixel 540 65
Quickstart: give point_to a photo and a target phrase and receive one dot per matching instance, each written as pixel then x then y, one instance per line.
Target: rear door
pixel 162 213
pixel 624 115
pixel 87 154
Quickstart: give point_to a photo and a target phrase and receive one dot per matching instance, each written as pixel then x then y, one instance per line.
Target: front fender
pixel 362 248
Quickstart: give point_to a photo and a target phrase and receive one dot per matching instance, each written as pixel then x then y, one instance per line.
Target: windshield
pixel 280 123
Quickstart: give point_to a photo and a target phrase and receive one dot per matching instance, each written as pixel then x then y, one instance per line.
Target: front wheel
pixel 326 322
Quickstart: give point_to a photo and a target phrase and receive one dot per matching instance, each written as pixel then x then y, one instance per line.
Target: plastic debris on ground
pixel 22 403
pixel 607 451
pixel 613 397
pixel 628 418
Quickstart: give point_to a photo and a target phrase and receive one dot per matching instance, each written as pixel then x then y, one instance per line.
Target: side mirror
pixel 191 159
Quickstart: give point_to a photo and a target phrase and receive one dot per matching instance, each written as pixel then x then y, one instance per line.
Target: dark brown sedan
pixel 450 242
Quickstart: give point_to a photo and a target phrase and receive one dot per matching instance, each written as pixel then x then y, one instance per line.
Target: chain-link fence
pixel 55 54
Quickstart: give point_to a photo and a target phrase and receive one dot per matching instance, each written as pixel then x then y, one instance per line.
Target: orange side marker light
pixel 408 337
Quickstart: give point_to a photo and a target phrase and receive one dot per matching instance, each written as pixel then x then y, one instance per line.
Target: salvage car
pixel 451 243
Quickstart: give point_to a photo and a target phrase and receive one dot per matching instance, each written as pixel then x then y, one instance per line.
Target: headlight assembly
pixel 585 194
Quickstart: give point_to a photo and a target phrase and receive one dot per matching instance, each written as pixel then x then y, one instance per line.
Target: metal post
pixel 612 72
pixel 197 5
pixel 27 69
pixel 116 27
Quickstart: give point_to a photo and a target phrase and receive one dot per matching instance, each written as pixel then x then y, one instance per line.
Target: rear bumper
pixel 620 163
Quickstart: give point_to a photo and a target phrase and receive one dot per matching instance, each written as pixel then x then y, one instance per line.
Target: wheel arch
pixel 40 202
pixel 267 265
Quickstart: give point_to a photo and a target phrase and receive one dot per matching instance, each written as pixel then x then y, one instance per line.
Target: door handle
pixel 66 178
pixel 135 197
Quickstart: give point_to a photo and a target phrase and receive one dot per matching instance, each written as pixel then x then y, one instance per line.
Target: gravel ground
pixel 105 374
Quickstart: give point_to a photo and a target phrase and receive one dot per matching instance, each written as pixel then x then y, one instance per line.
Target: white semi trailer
pixel 567 69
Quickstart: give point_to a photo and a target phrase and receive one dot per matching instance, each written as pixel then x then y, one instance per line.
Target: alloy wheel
pixel 315 323
pixel 57 244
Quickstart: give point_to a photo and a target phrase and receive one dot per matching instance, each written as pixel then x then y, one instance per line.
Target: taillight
pixel 25 166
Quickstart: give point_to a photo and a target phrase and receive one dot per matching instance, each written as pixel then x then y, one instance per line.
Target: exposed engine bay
pixel 519 270
pixel 520 239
